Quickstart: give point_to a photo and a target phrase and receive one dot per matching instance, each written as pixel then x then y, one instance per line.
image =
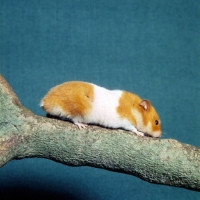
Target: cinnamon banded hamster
pixel 85 103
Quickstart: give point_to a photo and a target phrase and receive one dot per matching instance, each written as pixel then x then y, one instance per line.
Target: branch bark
pixel 162 161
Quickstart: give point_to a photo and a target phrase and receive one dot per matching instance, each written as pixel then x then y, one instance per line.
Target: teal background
pixel 148 47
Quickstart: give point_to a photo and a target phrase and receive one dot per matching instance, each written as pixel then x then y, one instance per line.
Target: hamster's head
pixel 148 121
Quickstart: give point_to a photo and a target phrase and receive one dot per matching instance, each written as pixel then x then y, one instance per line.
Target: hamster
pixel 86 103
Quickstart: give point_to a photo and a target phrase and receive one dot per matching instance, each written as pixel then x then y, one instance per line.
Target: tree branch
pixel 161 161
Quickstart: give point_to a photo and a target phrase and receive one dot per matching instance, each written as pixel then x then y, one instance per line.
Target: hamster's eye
pixel 156 122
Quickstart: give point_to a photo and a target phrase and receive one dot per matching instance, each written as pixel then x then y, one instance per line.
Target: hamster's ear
pixel 145 104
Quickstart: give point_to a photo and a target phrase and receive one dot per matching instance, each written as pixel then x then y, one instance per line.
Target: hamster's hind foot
pixel 81 125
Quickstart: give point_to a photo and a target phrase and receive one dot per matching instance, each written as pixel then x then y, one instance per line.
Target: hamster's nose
pixel 157 134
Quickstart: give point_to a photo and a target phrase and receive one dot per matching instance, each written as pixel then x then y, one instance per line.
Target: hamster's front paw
pixel 139 133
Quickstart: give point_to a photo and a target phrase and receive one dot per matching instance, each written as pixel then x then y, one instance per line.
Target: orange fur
pixel 126 102
pixel 151 116
pixel 130 107
pixel 74 98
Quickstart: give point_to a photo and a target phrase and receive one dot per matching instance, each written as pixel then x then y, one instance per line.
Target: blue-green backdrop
pixel 148 47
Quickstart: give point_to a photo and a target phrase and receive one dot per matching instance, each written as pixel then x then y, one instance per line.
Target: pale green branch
pixel 162 161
